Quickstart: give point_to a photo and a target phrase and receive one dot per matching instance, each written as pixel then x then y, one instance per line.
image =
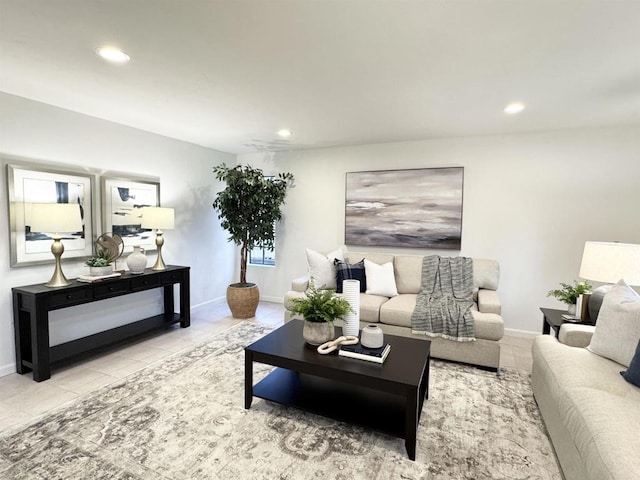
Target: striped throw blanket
pixel 443 306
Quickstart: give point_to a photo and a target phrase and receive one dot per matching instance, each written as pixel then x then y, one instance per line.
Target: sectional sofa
pixel 393 314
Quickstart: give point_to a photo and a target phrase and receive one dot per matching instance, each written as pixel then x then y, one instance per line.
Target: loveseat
pixel 393 314
pixel 591 412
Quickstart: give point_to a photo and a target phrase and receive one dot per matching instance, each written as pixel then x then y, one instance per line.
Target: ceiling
pixel 229 74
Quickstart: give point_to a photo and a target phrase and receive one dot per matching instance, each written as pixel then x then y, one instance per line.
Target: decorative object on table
pixel 101 263
pixel 608 262
pixel 248 207
pixel 427 202
pixel 582 307
pixel 320 308
pixel 569 294
pixel 333 345
pixel 122 200
pixel 351 293
pixel 137 260
pixel 158 218
pixel 372 336
pixel 35 184
pixel 59 218
pixel 359 351
pixel 114 244
pixel 97 278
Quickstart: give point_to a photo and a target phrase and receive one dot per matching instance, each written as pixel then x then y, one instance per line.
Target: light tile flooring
pixel 23 400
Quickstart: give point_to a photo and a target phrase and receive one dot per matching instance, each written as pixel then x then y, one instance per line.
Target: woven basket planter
pixel 243 299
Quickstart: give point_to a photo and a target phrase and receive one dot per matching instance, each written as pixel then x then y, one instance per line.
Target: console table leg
pixel 248 379
pixel 40 345
pixel 185 311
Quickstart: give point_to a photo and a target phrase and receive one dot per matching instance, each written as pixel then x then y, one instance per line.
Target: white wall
pixel 530 201
pixel 39 133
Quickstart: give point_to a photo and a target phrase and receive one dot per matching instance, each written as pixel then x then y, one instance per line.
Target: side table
pixel 552 318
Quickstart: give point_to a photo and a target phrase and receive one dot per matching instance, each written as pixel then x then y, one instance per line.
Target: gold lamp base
pixel 159 265
pixel 58 279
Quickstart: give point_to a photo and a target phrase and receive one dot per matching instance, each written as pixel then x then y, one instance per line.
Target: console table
pixel 32 304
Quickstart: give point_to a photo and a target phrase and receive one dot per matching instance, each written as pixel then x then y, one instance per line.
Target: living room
pixel 532 196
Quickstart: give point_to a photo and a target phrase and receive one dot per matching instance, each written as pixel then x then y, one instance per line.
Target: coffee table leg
pixel 411 425
pixel 248 379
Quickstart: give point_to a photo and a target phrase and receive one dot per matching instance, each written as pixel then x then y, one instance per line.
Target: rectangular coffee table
pixel 387 397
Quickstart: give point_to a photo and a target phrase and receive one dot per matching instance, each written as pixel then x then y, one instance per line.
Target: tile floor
pixel 23 400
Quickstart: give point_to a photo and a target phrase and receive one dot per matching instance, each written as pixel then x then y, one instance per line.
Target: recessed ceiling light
pixel 515 107
pixel 284 133
pixel 112 54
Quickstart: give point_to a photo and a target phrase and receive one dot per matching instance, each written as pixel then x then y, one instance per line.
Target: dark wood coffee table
pixel 387 397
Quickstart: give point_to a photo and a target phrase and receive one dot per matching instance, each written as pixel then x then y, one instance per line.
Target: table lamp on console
pixel 609 262
pixel 59 218
pixel 158 218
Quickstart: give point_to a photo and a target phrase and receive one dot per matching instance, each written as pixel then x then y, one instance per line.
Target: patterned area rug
pixel 183 418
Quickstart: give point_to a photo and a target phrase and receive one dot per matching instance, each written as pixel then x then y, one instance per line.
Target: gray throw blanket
pixel 443 306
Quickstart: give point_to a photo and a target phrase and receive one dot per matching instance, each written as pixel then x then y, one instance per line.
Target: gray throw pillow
pixel 618 327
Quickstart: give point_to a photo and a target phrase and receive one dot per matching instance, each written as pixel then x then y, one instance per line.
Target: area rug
pixel 183 418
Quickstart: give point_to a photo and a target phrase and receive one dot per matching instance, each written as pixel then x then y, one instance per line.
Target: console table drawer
pixel 145 283
pixel 69 298
pixel 169 278
pixel 104 291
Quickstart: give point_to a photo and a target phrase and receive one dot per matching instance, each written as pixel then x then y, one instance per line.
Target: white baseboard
pixel 521 333
pixel 209 302
pixel 264 298
pixel 7 369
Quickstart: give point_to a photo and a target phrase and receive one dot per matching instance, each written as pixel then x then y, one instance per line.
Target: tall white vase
pixel 351 293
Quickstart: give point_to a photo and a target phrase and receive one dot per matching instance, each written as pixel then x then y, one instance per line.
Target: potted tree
pixel 320 308
pixel 248 207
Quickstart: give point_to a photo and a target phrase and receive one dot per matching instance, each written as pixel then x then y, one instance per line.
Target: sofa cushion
pixel 350 271
pixel 486 274
pixel 322 272
pixel 618 327
pixel 370 307
pixel 380 279
pixel 408 271
pixel 379 258
pixel 632 375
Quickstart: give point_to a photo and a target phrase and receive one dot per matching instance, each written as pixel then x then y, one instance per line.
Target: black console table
pixel 32 304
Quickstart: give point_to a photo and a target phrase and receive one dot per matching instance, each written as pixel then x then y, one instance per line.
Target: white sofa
pixel 592 414
pixel 394 314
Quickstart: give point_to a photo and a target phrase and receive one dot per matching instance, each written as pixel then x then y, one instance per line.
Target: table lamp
pixel 58 218
pixel 158 218
pixel 608 262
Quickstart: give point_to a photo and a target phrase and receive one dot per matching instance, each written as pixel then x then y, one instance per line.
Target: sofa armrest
pixel 300 284
pixel 576 335
pixel 489 302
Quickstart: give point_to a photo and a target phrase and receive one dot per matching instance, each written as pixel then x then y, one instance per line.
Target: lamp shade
pixel 157 217
pixel 54 217
pixel 608 262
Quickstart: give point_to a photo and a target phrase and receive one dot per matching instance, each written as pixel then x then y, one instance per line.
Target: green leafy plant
pixel 321 306
pixel 249 206
pixel 102 258
pixel 569 293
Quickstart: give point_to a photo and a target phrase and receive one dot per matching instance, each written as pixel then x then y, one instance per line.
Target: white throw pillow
pixel 322 272
pixel 618 326
pixel 380 279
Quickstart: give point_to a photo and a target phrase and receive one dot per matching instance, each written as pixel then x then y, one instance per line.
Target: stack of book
pixel 377 355
pixel 96 278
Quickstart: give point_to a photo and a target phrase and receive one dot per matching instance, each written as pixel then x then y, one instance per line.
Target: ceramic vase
pixel 372 336
pixel 99 271
pixel 351 293
pixel 137 260
pixel 317 333
pixel 571 309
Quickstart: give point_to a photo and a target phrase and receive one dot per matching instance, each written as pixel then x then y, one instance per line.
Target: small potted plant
pixel 100 263
pixel 320 308
pixel 569 293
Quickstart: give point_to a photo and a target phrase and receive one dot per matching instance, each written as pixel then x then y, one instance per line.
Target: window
pixel 262 256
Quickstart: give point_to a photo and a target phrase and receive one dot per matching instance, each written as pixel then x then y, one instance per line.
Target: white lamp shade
pixel 608 262
pixel 53 217
pixel 157 217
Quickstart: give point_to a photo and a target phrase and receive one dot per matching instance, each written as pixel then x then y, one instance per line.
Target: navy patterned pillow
pixel 632 375
pixel 350 271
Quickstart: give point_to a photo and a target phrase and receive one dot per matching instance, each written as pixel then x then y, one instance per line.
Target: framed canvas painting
pixel 122 201
pixel 29 184
pixel 416 208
